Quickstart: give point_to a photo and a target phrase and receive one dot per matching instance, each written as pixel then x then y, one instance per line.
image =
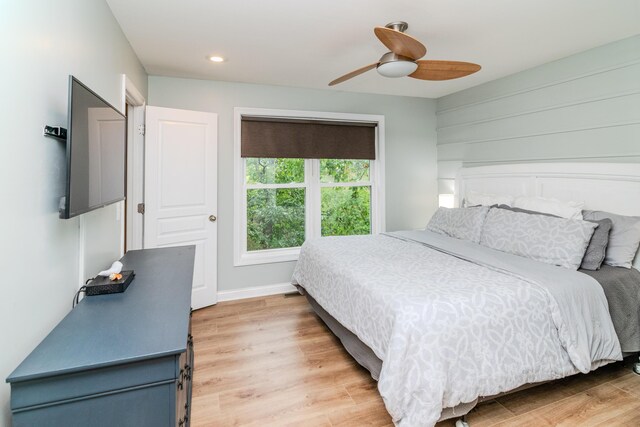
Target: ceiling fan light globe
pixel 397 68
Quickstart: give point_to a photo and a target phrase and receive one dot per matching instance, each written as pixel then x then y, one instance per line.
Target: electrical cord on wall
pixel 76 298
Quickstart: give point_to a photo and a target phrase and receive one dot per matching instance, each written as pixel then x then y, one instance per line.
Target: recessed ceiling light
pixel 216 59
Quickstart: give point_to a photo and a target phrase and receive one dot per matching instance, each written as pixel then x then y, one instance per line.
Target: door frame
pixel 134 222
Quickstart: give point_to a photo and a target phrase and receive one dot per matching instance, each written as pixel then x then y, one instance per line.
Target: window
pixel 345 197
pixel 275 203
pixel 282 201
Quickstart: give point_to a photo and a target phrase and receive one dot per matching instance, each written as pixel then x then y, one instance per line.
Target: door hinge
pixel 141 129
pixel 141 208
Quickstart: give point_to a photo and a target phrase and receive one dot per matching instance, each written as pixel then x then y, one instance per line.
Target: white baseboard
pixel 256 291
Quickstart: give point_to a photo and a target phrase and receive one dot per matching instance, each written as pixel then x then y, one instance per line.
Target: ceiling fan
pixel 404 59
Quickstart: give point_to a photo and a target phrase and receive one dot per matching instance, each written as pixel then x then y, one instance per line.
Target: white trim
pixel 376 175
pixel 135 163
pixel 314 199
pixel 268 256
pixel 523 179
pixel 131 93
pixel 121 216
pixel 308 115
pixel 256 291
pixel 267 186
pixel 346 184
pixel 81 250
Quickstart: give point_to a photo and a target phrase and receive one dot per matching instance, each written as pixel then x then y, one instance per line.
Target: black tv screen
pixel 96 141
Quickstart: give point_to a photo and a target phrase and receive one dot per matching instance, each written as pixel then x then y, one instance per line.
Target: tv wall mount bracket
pixel 57 132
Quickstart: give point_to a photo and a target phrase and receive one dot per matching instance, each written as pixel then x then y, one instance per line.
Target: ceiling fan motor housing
pixel 394 65
pixel 398 26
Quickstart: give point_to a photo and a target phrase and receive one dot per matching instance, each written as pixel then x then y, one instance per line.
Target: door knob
pixel 212 218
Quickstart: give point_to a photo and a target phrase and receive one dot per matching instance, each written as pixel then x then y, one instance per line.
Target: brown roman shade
pixel 307 139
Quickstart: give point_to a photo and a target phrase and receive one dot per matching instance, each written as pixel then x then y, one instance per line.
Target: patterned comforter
pixel 452 320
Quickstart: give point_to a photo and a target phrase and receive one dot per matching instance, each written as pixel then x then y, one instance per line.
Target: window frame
pixel 376 181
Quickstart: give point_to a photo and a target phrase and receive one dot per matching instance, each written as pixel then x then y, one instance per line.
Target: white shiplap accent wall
pixel 585 107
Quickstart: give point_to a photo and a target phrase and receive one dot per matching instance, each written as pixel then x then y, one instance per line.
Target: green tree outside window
pixel 276 216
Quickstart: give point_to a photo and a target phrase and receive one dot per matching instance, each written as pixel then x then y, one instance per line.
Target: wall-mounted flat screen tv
pixel 96 141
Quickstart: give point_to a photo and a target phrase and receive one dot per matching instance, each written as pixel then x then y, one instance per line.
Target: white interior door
pixel 181 190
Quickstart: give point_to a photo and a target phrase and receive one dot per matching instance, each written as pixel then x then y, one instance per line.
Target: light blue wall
pixel 42 43
pixel 585 107
pixel 411 195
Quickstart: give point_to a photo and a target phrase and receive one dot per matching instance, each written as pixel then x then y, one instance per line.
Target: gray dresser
pixel 116 360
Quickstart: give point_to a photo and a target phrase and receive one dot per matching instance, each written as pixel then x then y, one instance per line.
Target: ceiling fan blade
pixel 353 74
pixel 400 43
pixel 443 70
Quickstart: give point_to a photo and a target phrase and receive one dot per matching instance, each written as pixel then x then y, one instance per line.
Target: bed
pixel 442 322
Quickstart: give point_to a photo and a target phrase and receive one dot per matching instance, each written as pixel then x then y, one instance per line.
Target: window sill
pixel 271 256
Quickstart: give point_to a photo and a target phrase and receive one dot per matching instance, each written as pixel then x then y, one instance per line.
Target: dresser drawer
pixel 150 406
pixel 63 387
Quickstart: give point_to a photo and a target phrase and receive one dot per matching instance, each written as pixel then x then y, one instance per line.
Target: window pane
pixel 274 171
pixel 275 218
pixel 336 170
pixel 346 211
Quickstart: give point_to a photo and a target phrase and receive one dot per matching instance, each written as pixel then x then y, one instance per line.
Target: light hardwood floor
pixel 271 362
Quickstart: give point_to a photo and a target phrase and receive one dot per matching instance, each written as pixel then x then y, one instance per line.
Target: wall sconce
pixel 446 200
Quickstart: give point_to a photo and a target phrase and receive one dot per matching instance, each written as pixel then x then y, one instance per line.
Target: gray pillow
pixel 461 223
pixel 556 241
pixel 596 251
pixel 624 238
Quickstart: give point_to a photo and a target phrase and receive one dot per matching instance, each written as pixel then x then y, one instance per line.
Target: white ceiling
pixel 305 43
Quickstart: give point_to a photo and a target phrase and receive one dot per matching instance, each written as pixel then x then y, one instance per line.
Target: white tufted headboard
pixel 611 187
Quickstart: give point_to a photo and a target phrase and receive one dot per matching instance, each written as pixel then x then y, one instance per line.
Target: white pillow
pixel 475 198
pixel 460 223
pixel 570 210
